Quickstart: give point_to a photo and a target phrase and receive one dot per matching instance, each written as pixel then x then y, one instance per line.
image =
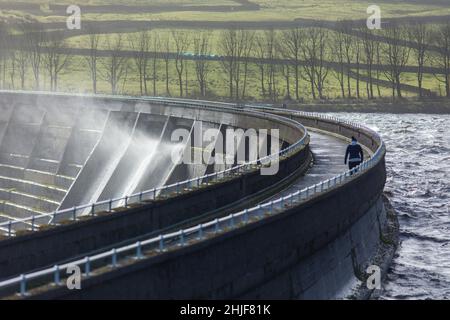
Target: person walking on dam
pixel 354 154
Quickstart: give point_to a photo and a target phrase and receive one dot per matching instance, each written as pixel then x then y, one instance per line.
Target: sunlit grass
pixel 270 10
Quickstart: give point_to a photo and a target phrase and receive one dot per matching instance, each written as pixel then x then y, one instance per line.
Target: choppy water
pixel 418 164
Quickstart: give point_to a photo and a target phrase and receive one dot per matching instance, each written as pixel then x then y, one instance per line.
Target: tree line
pixel 278 60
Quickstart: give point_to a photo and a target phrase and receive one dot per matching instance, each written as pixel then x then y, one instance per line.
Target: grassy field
pixel 270 10
pixel 121 2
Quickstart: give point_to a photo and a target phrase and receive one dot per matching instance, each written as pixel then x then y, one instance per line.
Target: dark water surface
pixel 418 164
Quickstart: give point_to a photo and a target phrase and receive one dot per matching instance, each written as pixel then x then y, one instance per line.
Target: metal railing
pixel 34 222
pixel 311 115
pixel 115 257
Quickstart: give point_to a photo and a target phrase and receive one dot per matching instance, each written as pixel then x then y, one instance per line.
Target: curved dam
pixel 101 183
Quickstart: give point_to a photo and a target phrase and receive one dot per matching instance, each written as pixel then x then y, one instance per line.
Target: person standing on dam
pixel 354 154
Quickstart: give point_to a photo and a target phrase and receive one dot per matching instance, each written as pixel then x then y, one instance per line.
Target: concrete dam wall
pixel 109 172
pixel 313 243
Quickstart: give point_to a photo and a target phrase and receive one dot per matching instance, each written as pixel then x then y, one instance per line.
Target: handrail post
pixel 126 201
pixel 140 196
pixel 114 258
pixel 23 285
pixel 87 266
pixel 74 213
pixel 138 250
pixel 200 232
pixel 110 205
pixel 93 210
pixel 9 228
pixel 32 222
pixel 161 243
pixel 216 225
pixel 232 221
pixel 182 242
pixel 56 277
pixel 260 211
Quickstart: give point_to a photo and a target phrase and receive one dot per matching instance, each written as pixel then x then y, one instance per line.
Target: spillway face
pixel 57 154
pixel 42 150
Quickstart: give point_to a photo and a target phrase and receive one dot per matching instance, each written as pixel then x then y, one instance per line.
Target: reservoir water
pixel 418 184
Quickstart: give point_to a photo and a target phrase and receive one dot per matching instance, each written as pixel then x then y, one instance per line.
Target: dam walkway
pixel 328 153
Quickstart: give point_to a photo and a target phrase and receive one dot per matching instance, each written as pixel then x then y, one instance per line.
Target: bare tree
pixel 441 39
pixel 314 53
pixel 22 66
pixel 246 52
pixel 267 45
pixel 4 51
pixel 339 56
pixel 166 56
pixel 309 53
pixel 140 43
pixel 369 48
pixel 357 51
pixel 115 66
pixel 291 49
pixel 286 71
pixel 271 54
pixel 186 81
pixel 156 44
pixel 419 34
pixel 202 50
pixel 13 68
pixel 236 46
pixel 54 59
pixel 181 40
pixel 243 49
pixel 34 37
pixel 378 57
pixel 228 48
pixel 3 46
pixel 92 59
pixel 348 42
pixel 396 56
pixel 321 68
pixel 260 61
pixel 7 57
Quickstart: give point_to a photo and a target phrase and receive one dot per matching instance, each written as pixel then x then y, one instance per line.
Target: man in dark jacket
pixel 354 154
